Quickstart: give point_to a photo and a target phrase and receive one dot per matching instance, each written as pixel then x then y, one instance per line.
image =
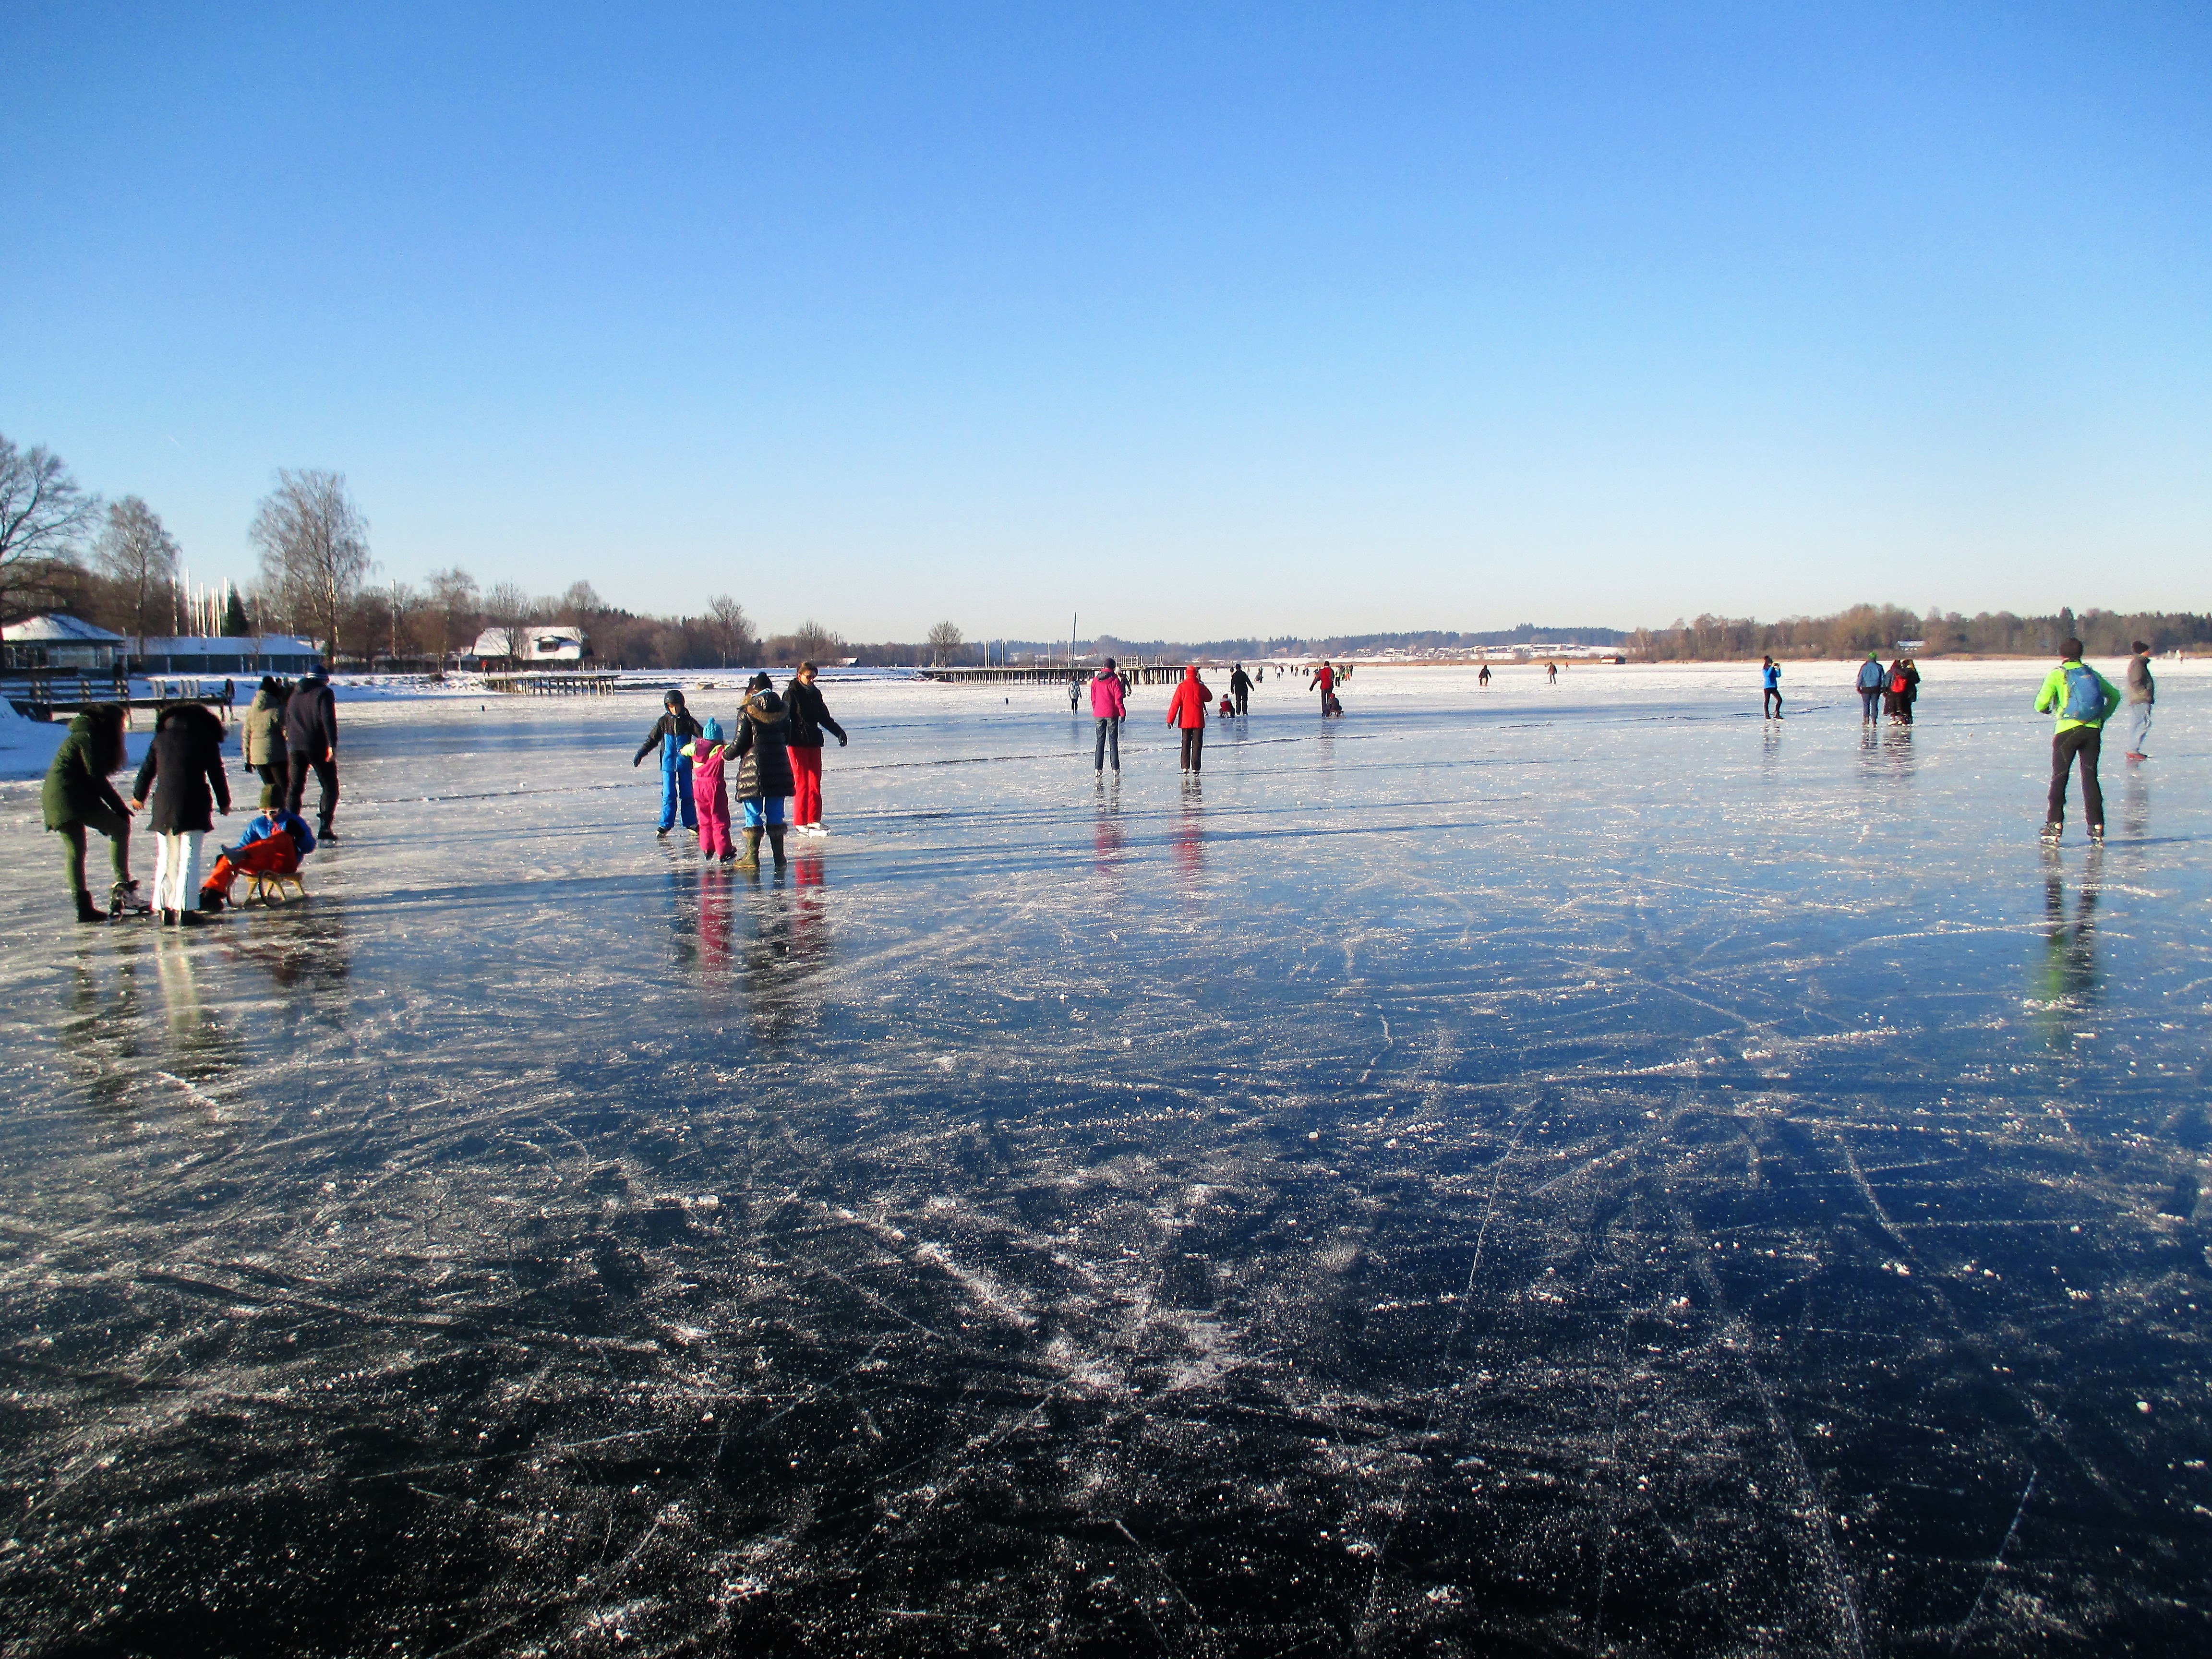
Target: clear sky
pixel 1198 319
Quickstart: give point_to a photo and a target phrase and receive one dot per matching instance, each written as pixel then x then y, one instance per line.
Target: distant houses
pixel 65 643
pixel 548 645
pixel 72 645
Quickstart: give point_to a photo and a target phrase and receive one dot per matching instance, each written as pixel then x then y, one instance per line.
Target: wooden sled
pixel 266 887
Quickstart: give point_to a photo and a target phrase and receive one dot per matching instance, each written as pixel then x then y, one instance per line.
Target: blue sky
pixel 1199 320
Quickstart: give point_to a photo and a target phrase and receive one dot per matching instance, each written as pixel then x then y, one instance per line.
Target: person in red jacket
pixel 1186 709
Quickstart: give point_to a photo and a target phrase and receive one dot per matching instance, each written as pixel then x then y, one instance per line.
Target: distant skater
pixel 1186 709
pixel 1240 687
pixel 763 769
pixel 1908 689
pixel 1551 675
pixel 1483 678
pixel 183 770
pixel 1870 681
pixel 1770 678
pixel 311 741
pixel 707 754
pixel 78 796
pixel 1893 691
pixel 1325 681
pixel 810 718
pixel 671 733
pixel 1109 707
pixel 2083 700
pixel 2142 698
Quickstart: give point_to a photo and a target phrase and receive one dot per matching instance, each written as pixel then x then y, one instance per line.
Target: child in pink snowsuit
pixel 706 790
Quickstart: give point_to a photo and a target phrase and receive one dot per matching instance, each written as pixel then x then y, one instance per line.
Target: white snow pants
pixel 177 870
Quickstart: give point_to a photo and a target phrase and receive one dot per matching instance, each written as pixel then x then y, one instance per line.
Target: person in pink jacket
pixel 1186 709
pixel 1109 710
pixel 707 756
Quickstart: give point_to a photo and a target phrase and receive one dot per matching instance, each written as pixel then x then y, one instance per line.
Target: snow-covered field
pixel 1572 1168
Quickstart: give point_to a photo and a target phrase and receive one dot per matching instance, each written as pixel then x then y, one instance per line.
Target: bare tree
pixel 136 552
pixel 314 548
pixel 401 601
pixel 507 607
pixel 945 642
pixel 453 597
pixel 732 630
pixel 811 642
pixel 44 517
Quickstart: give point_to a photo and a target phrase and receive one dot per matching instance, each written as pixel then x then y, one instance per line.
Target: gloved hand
pixel 840 739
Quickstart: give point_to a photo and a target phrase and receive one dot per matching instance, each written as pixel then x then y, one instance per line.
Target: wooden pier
pixel 41 696
pixel 554 684
pixel 1139 673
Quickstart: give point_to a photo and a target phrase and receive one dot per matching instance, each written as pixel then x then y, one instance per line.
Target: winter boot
pixel 751 859
pixel 775 844
pixel 86 910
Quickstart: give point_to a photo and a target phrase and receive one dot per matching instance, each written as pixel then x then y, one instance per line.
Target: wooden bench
pixel 266 887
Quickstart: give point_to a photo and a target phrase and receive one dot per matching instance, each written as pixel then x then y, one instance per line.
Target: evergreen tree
pixel 236 625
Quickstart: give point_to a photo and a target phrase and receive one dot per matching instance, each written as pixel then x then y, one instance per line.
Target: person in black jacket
pixel 763 768
pixel 184 771
pixel 1240 688
pixel 807 716
pixel 311 741
pixel 672 733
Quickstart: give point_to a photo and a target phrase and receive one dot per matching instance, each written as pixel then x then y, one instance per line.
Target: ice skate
pixel 124 899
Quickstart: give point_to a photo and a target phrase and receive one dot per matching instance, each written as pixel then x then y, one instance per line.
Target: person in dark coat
pixel 310 739
pixel 1909 672
pixel 672 734
pixel 1240 688
pixel 184 771
pixel 809 717
pixel 78 797
pixel 763 768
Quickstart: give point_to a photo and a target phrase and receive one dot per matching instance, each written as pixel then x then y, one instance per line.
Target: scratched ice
pixel 1562 1169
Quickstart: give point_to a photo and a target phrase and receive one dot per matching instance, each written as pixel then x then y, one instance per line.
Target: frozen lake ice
pixel 1570 1171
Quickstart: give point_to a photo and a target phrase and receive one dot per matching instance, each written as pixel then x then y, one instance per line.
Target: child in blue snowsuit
pixel 673 731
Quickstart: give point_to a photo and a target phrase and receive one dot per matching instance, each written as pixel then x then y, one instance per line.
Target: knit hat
pixel 714 730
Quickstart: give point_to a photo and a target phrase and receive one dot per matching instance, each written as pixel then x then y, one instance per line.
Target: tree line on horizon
pixel 116 564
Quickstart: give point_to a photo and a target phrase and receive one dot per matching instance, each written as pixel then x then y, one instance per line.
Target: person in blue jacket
pixel 1871 676
pixel 672 732
pixel 1769 674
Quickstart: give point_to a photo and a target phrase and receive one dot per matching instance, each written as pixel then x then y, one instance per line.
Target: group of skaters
pixel 289 734
pixel 1188 708
pixel 777 749
pixel 1892 690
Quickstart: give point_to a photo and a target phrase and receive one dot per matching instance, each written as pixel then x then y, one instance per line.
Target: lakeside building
pixel 251 653
pixel 551 644
pixel 68 643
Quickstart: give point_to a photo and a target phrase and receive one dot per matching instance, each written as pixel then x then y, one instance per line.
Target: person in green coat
pixel 2083 700
pixel 263 739
pixel 78 797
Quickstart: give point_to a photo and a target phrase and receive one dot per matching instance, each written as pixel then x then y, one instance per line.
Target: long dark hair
pixel 105 719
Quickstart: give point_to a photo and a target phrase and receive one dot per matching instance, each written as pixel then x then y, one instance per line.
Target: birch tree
pixel 314 549
pixel 136 552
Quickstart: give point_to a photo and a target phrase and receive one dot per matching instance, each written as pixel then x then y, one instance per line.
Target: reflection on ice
pixel 1539 1170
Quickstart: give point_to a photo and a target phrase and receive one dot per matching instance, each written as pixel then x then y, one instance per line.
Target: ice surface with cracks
pixel 1570 1169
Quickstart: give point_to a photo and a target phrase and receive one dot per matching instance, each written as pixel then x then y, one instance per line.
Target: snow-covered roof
pixel 253 645
pixel 39 629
